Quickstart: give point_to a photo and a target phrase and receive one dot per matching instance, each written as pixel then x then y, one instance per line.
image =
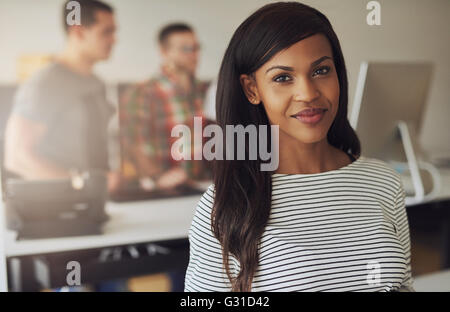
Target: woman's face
pixel 298 78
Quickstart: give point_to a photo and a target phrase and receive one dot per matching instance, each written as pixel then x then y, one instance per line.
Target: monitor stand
pixel 413 165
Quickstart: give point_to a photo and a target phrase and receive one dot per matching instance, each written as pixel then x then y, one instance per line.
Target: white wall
pixel 411 30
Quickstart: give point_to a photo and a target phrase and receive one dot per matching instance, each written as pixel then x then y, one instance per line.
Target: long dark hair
pixel 243 192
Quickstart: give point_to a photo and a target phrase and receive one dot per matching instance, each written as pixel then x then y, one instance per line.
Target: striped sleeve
pixel 205 271
pixel 404 236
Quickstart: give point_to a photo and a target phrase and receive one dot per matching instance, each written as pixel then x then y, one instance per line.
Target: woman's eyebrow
pixel 288 68
pixel 320 60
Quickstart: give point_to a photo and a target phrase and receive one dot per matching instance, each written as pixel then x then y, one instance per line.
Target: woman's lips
pixel 310 116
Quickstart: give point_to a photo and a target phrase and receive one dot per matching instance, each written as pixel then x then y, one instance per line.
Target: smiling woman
pixel 327 219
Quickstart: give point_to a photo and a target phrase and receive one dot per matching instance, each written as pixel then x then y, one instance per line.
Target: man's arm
pixel 136 119
pixel 21 137
pixel 145 166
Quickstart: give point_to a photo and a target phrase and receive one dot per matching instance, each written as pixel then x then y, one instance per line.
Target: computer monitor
pixel 387 113
pixel 387 93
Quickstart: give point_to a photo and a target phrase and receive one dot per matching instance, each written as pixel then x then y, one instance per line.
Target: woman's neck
pixel 309 158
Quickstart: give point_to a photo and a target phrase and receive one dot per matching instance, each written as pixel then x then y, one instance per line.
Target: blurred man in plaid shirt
pixel 151 109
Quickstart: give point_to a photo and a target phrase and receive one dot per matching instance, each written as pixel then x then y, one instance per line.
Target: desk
pixel 157 229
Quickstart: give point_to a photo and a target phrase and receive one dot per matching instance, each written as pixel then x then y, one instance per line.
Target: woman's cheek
pixel 330 90
pixel 272 114
pixel 336 89
pixel 273 107
pixel 276 102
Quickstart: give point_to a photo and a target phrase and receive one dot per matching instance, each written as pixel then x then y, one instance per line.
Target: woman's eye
pixel 282 78
pixel 322 71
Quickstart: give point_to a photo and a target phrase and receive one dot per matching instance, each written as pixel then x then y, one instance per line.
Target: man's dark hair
pixel 88 8
pixel 170 29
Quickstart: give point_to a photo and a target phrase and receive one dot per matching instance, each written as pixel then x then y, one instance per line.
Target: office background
pixel 410 30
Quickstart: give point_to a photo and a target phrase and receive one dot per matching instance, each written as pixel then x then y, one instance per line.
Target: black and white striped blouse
pixel 340 230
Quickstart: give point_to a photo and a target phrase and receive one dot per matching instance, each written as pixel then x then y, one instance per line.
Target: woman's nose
pixel 306 91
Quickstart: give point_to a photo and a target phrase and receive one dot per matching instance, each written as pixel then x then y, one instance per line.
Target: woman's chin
pixel 310 137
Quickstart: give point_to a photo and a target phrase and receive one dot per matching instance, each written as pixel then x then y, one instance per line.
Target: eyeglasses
pixel 190 49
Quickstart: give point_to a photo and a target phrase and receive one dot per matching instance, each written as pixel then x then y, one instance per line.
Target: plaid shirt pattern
pixel 147 113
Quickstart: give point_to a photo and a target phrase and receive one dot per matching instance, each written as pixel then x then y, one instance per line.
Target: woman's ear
pixel 248 84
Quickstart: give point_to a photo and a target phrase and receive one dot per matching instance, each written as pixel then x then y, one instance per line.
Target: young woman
pixel 327 219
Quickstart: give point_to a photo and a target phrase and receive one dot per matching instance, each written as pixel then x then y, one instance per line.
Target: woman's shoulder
pixel 209 193
pixel 206 201
pixel 378 166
